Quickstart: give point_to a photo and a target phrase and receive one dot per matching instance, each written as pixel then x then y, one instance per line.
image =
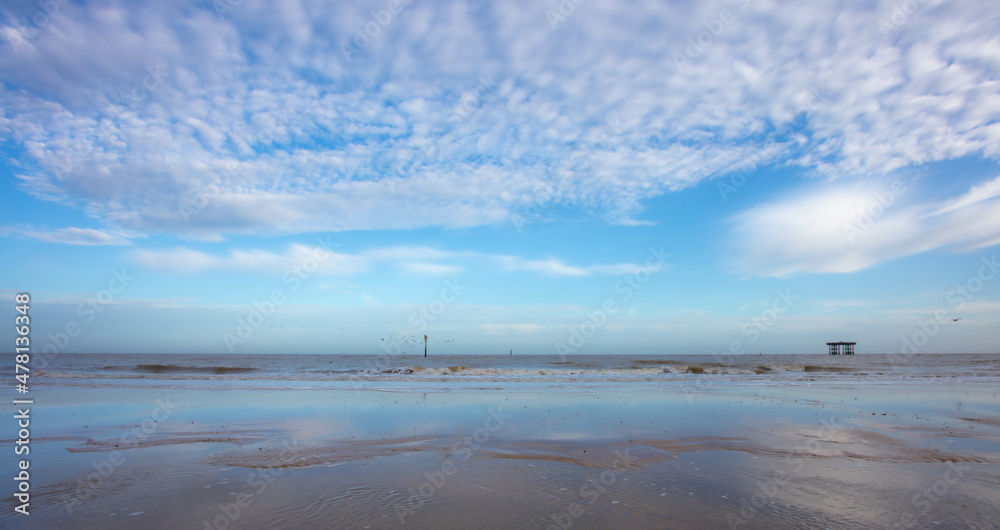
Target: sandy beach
pixel 458 264
pixel 822 455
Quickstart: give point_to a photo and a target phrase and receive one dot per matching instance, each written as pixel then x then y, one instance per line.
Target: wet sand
pixel 828 456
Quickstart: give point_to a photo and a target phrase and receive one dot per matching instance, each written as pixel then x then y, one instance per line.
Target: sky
pixel 574 177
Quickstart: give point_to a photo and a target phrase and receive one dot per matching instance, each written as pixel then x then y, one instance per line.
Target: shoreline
pixel 714 447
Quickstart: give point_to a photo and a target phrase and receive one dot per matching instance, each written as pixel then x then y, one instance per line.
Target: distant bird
pixel 956 319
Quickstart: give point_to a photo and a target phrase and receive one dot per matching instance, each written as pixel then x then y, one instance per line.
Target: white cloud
pixel 555 267
pixel 549 266
pixel 404 253
pixel 978 193
pixel 130 111
pixel 186 261
pixel 430 269
pixel 77 236
pixel 617 269
pixel 434 262
pixel 838 228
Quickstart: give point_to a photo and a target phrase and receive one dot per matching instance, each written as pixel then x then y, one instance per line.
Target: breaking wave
pixel 173 368
pixel 370 371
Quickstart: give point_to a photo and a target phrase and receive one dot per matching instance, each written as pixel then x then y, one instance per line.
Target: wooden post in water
pixel 425 345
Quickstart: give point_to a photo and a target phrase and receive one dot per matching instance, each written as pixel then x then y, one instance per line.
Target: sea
pixel 529 372
pixel 470 441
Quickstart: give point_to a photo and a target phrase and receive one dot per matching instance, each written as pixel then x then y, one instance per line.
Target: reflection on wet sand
pixel 822 456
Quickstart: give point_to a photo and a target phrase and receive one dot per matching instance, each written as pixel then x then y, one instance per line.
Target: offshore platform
pixel 841 348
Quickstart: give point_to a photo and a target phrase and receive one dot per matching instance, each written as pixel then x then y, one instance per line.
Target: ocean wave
pixel 458 373
pixel 814 368
pixel 171 368
pixel 762 369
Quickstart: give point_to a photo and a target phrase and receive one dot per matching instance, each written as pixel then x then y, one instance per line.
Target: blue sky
pixel 608 177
